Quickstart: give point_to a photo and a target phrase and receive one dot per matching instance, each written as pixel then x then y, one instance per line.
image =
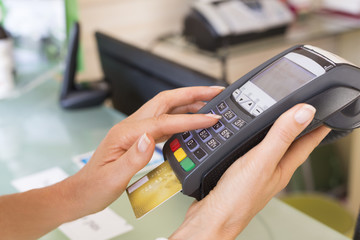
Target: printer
pixel 212 24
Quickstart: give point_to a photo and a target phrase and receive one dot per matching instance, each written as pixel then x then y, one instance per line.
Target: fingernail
pixel 304 114
pixel 144 143
pixel 219 87
pixel 214 116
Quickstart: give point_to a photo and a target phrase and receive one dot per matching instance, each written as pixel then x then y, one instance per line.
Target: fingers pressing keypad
pixel 200 143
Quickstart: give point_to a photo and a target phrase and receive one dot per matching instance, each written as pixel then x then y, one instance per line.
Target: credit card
pixel 153 189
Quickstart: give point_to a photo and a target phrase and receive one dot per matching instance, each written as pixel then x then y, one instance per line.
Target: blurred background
pixel 219 39
pixel 38 29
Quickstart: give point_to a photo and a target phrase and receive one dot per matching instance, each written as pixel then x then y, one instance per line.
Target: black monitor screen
pixel 136 75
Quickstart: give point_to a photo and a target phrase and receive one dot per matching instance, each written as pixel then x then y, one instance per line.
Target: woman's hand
pixel 130 144
pixel 124 151
pixel 249 184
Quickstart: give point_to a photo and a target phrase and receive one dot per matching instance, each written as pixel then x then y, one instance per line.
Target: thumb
pixel 283 133
pixel 138 155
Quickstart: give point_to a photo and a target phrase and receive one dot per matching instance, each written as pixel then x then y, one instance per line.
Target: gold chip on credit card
pixel 153 189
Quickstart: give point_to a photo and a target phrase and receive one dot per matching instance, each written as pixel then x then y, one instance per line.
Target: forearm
pixel 31 214
pixel 191 229
pixel 202 223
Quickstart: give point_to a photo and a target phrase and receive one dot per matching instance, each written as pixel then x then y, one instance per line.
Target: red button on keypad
pixel 175 145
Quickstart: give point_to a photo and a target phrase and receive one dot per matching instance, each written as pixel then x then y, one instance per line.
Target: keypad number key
pixel 204 134
pixel 213 143
pixel 239 123
pixel 192 144
pixel 218 126
pixel 226 134
pixel 229 115
pixel 222 107
pixel 186 135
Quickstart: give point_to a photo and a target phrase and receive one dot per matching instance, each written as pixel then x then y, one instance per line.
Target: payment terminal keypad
pixel 193 147
pixel 212 143
pixel 200 154
pixel 222 107
pixel 238 123
pixel 204 134
pixel 218 126
pixel 186 135
pixel 226 134
pixel 229 115
pixel 192 144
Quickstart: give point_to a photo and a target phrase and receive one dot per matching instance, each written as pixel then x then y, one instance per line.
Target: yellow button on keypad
pixel 180 154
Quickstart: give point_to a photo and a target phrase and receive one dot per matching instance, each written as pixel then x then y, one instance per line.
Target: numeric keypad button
pixel 186 135
pixel 226 134
pixel 222 107
pixel 192 144
pixel 204 134
pixel 238 123
pixel 229 115
pixel 213 143
pixel 218 126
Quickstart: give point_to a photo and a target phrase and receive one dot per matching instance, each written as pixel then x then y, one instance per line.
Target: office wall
pixel 138 21
pixel 142 21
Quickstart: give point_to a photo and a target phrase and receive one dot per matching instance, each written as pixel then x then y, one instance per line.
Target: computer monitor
pixel 135 75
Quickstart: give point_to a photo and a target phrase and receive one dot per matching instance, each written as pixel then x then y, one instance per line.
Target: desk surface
pixel 36 134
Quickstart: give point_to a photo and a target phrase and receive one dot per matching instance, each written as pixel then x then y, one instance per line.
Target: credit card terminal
pixel 249 107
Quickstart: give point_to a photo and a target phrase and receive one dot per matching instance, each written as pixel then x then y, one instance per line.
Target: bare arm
pixel 31 214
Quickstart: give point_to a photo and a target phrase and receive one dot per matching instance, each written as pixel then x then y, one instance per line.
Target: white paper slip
pixel 99 226
pixel 40 179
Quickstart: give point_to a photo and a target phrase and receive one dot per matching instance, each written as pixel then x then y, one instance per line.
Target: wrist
pixel 195 228
pixel 204 222
pixel 68 197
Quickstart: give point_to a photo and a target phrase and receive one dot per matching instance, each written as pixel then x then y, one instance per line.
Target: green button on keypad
pixel 187 164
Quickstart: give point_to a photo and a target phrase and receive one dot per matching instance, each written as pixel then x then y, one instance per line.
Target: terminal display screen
pixel 282 78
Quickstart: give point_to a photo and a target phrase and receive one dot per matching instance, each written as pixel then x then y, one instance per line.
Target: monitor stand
pixel 76 96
